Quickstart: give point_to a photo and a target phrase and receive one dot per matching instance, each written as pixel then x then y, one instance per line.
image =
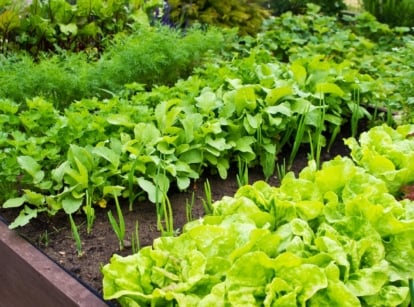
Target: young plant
pixel 355 116
pixel 117 226
pixel 189 208
pixel 316 140
pixel 243 172
pixel 89 211
pixel 281 170
pixel 298 137
pixel 135 242
pixel 76 236
pixel 208 201
pixel 165 220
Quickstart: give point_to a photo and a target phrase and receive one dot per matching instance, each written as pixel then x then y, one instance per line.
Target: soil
pixel 53 236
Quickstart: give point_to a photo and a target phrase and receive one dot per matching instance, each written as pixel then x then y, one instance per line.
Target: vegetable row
pixel 340 235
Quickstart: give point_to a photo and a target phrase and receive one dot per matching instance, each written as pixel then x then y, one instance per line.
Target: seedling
pixel 316 140
pixel 117 226
pixel 208 201
pixel 355 114
pixel 298 138
pixel 89 211
pixel 135 242
pixel 165 217
pixel 76 236
pixel 189 208
pixel 281 170
pixel 243 172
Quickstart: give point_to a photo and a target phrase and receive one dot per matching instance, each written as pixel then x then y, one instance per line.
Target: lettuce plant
pixel 331 236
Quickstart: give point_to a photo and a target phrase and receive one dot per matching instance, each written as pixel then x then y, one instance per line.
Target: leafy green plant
pixel 84 25
pixel 299 6
pixel 145 56
pixel 246 16
pixel 392 12
pixel 269 240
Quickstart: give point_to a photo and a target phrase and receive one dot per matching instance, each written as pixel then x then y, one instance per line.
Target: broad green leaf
pixel 183 182
pixel 166 114
pixel 120 120
pixel 113 190
pixel 283 108
pixel 24 217
pixel 108 154
pixel 368 281
pixel 208 101
pixel 192 156
pixel 146 133
pixel 34 198
pixel 154 195
pixel 388 296
pixel 69 29
pixel 274 95
pixel 248 277
pixel 245 99
pixel 78 155
pixel 71 204
pixel 329 88
pixel 80 176
pixel 299 73
pixel 31 167
pixel 14 202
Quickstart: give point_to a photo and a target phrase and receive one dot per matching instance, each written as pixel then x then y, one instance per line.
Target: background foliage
pixel 392 12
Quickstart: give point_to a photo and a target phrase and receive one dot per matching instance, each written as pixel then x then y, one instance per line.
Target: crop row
pixel 337 235
pixel 246 105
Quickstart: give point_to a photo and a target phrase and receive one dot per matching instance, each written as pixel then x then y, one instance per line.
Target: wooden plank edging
pixel 30 278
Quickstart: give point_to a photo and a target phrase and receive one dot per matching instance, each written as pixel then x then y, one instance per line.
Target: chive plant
pixel 117 226
pixel 208 201
pixel 89 211
pixel 165 213
pixel 316 140
pixel 298 138
pixel 135 242
pixel 243 172
pixel 76 236
pixel 281 169
pixel 189 205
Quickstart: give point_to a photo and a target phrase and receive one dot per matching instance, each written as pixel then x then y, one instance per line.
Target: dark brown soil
pixel 53 236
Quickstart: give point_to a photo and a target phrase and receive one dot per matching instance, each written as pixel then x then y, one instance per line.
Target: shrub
pixel 245 15
pixel 392 12
pixel 279 7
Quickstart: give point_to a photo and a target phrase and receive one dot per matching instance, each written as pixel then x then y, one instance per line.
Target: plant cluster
pixel 338 235
pixel 392 12
pixel 382 55
pixel 37 25
pixel 145 57
pixel 243 107
pixel 278 7
pixel 245 15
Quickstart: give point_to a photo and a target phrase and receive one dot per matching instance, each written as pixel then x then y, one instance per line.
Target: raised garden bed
pixel 30 278
pixel 53 237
